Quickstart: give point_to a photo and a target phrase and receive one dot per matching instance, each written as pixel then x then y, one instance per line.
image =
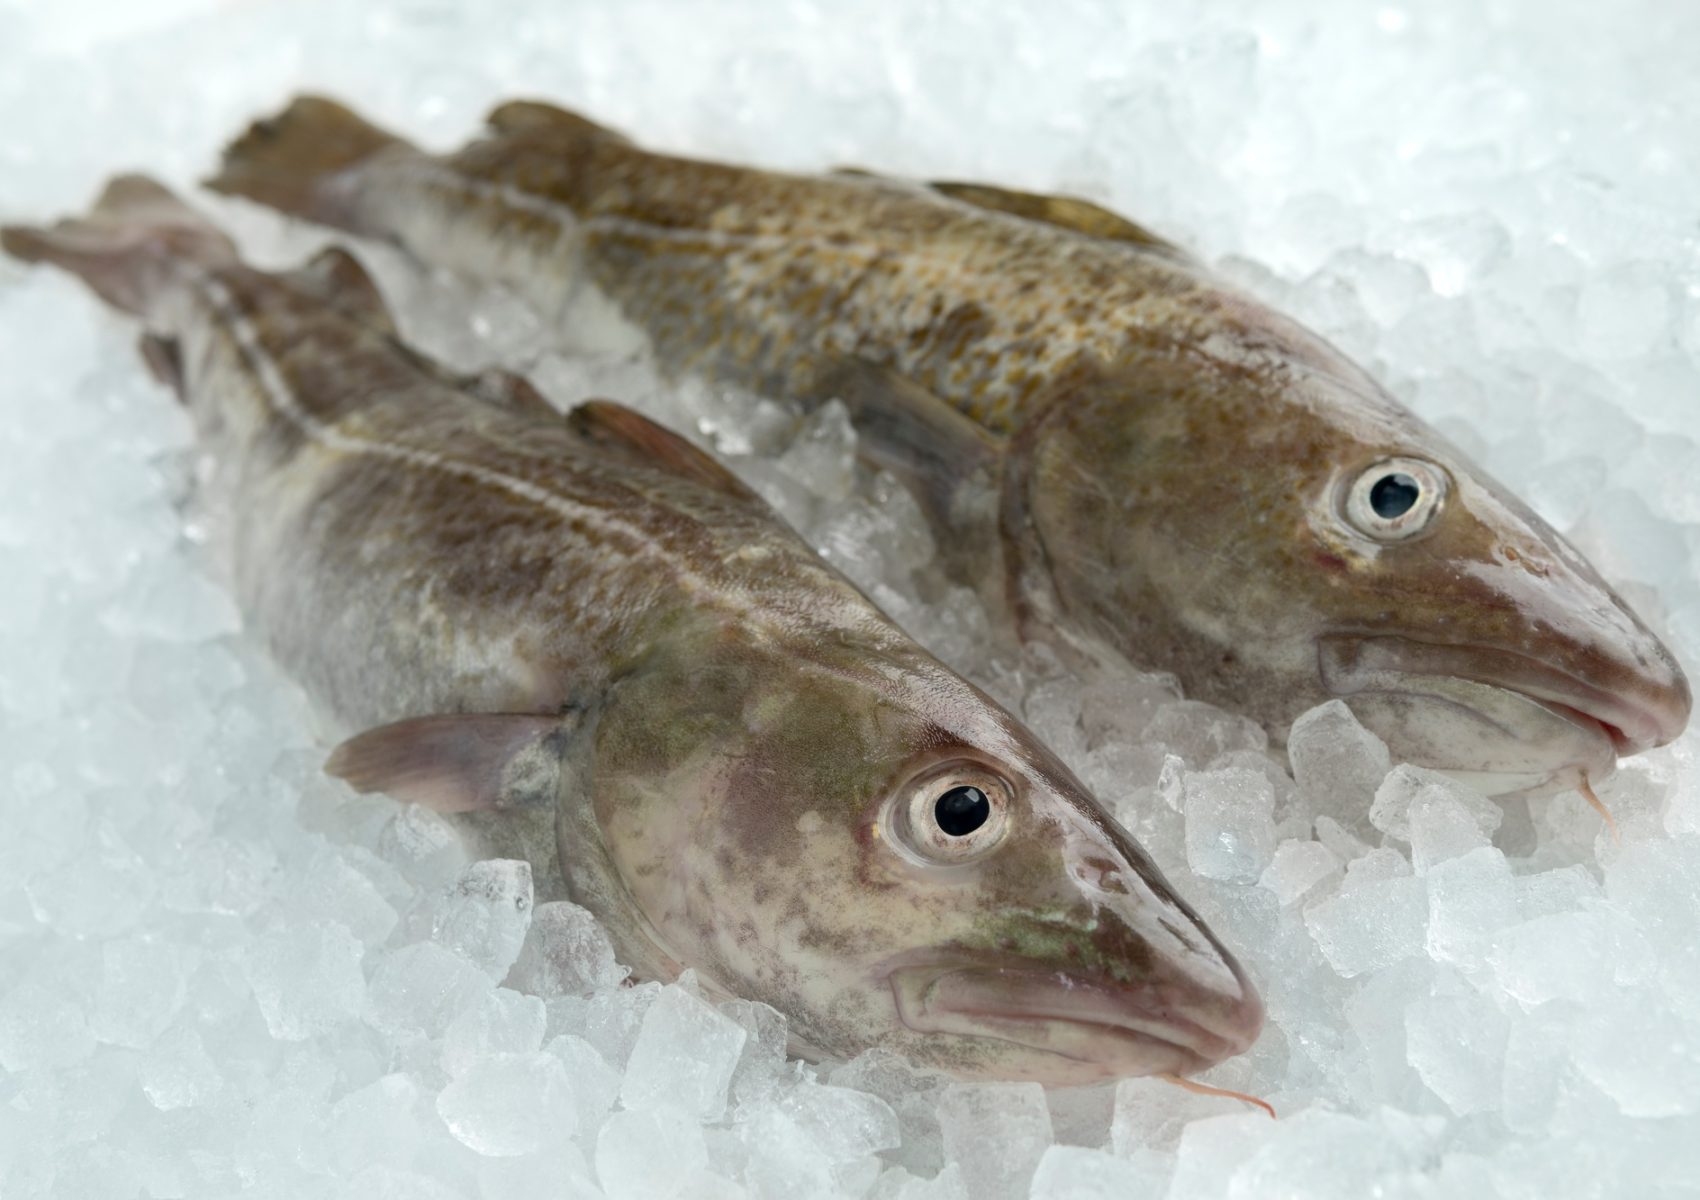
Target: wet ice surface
pixel 219 974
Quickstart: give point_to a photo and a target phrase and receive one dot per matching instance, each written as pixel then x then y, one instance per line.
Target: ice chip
pixel 421 989
pixel 422 845
pixel 142 987
pixel 1470 899
pixel 565 953
pixel 1076 1173
pixel 1201 733
pixel 997 1132
pixel 612 1020
pixel 41 1027
pixel 1371 926
pixel 307 978
pixel 497 1022
pixel 1408 789
pixel 1337 763
pixel 510 1104
pixel 1297 868
pixel 596 1085
pixel 1457 1045
pixel 1230 832
pixel 483 916
pixel 177 1072
pixel 684 1056
pixel 649 1153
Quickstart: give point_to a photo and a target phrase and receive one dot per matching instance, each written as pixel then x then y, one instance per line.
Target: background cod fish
pixel 587 639
pixel 1117 449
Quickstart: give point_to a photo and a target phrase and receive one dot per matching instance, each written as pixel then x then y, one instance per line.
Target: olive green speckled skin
pixel 1154 463
pixel 727 723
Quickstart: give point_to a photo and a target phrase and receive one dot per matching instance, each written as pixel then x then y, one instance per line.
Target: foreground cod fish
pixel 585 637
pixel 1112 445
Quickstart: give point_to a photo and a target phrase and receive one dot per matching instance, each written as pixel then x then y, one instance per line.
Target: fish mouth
pixel 1502 721
pixel 1095 1030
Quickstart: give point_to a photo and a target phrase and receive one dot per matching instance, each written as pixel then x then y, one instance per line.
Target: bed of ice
pixel 220 974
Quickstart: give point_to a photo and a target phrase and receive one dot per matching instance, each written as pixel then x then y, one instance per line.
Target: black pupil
pixel 1393 495
pixel 962 810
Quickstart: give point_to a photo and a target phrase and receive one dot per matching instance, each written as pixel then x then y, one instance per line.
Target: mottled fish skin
pixel 586 639
pixel 1153 467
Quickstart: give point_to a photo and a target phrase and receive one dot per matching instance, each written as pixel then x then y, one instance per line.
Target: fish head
pixel 887 857
pixel 1278 532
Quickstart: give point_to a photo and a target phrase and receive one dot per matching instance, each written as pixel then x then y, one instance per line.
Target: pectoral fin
pixel 624 431
pixel 464 762
pixel 905 429
pixel 1066 212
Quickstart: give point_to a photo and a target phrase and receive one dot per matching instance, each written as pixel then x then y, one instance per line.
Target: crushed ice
pixel 223 975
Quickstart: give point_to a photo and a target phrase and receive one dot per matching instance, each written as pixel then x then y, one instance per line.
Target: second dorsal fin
pixel 336 277
pixel 534 116
pixel 1066 212
pixel 615 426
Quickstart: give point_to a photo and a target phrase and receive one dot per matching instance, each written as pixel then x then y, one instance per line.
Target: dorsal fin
pixel 1066 212
pixel 534 116
pixel 615 426
pixel 336 277
pixel 514 393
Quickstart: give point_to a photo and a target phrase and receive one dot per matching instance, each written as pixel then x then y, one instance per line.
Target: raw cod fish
pixel 1119 451
pixel 585 638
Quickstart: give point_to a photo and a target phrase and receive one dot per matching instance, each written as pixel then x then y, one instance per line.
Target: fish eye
pixel 1396 499
pixel 952 814
pixel 962 810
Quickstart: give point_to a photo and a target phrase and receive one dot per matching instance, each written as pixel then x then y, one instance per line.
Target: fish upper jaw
pixel 1504 721
pixel 1087 1029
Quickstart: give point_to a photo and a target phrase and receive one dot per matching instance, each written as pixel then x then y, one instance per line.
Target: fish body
pixel 584 638
pixel 1122 452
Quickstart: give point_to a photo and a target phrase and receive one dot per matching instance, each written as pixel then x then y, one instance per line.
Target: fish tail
pixel 131 245
pixel 286 161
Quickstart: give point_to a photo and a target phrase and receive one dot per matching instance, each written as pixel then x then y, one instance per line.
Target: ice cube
pixel 1641 1051
pixel 1457 1045
pixel 1470 899
pixel 566 953
pixel 684 1056
pixel 507 1105
pixel 1076 1173
pixel 997 1132
pixel 421 989
pixel 41 1027
pixel 762 1061
pixel 1201 733
pixel 307 978
pixel 612 1020
pixel 1337 763
pixel 1297 869
pixel 423 846
pixel 142 987
pixel 331 888
pixel 376 1125
pixel 483 916
pixel 650 1153
pixel 1230 830
pixel 177 1072
pixel 596 1085
pixel 1407 789
pixel 497 1022
pixel 1371 926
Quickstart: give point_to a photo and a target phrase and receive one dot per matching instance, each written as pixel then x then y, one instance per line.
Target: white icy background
pixel 219 974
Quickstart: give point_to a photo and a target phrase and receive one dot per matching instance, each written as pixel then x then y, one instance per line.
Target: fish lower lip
pixel 1350 664
pixel 1024 1006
